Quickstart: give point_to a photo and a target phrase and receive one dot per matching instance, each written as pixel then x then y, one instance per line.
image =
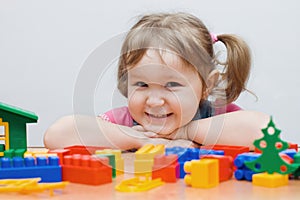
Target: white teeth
pixel 158 116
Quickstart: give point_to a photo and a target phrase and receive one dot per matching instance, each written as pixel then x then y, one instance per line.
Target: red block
pixel 232 151
pixel 86 169
pixel 166 167
pixel 84 150
pixel 225 166
pixel 293 146
pixel 286 158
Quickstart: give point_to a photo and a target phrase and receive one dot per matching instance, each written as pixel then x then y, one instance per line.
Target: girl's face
pixel 163 94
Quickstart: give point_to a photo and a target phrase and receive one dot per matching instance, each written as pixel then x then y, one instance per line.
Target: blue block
pixel 48 169
pixel 184 154
pixel 249 174
pixel 243 172
pixel 211 152
pixel 290 152
pixel 240 160
pixel 239 174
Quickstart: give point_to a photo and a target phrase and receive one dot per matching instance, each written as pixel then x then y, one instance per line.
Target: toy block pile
pixel 77 164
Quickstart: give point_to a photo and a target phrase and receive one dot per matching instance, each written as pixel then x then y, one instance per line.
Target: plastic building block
pixel 111 161
pixel 138 185
pixel 243 172
pixel 17 119
pixel 86 169
pixel 166 168
pixel 148 151
pixel 271 145
pixel 229 150
pixel 204 173
pixel 290 152
pixel 61 153
pixel 144 158
pixel 14 153
pixel 84 150
pixel 225 166
pixel 188 154
pixel 286 158
pixel 270 180
pixel 26 186
pixel 119 166
pixel 203 152
pixel 296 173
pixel 47 169
pixel 293 146
pixel 184 154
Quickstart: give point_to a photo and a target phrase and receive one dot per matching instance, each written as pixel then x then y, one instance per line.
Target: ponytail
pixel 237 65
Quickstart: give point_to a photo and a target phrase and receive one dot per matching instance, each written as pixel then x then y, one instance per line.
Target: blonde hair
pixel 186 36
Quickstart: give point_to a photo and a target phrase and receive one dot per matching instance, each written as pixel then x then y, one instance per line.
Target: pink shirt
pixel 122 116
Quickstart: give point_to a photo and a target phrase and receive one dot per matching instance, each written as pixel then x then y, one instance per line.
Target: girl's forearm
pixel 236 128
pixel 91 131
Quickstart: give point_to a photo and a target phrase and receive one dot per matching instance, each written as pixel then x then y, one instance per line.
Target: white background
pixel 44 44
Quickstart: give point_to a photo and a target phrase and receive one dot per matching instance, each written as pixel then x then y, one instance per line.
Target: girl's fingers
pixel 150 134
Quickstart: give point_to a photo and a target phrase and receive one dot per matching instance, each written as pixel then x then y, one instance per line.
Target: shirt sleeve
pixel 229 108
pixel 119 116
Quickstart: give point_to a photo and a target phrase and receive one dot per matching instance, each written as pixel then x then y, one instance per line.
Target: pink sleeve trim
pixel 232 107
pixel 119 116
pixel 229 108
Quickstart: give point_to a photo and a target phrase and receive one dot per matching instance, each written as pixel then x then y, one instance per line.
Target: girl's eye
pixel 141 84
pixel 173 84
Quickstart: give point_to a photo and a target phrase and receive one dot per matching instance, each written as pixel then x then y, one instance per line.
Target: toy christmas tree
pixel 270 145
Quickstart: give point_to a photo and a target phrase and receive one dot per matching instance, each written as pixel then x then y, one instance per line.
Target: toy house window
pixel 2 134
pixel 2 131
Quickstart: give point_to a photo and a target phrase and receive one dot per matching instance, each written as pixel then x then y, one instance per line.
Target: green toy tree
pixel 270 145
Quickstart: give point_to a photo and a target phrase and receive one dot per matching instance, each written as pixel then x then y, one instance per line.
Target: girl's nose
pixel 154 101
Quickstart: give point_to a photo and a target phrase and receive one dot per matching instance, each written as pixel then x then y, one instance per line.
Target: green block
pixel 20 152
pixel 9 153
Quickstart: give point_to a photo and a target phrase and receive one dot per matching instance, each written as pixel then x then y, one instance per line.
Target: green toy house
pixel 13 122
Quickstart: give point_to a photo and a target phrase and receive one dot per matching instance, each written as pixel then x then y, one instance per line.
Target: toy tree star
pixel 270 145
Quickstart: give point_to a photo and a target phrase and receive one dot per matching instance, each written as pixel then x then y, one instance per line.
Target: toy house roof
pixel 18 111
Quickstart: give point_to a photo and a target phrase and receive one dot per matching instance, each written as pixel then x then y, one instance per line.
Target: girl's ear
pixel 211 82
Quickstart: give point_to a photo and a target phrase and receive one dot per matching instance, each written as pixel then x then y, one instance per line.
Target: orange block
pixel 225 166
pixel 232 151
pixel 86 169
pixel 166 167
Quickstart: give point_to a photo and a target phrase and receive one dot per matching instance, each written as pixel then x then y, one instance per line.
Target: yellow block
pixel 270 180
pixel 143 167
pixel 148 151
pixel 118 159
pixel 144 158
pixel 203 173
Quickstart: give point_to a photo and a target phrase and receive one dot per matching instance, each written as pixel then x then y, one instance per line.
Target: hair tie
pixel 214 38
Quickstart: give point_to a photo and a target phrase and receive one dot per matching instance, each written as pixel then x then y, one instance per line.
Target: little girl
pixel 176 96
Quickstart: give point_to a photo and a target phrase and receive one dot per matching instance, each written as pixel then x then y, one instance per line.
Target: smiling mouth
pixel 158 116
